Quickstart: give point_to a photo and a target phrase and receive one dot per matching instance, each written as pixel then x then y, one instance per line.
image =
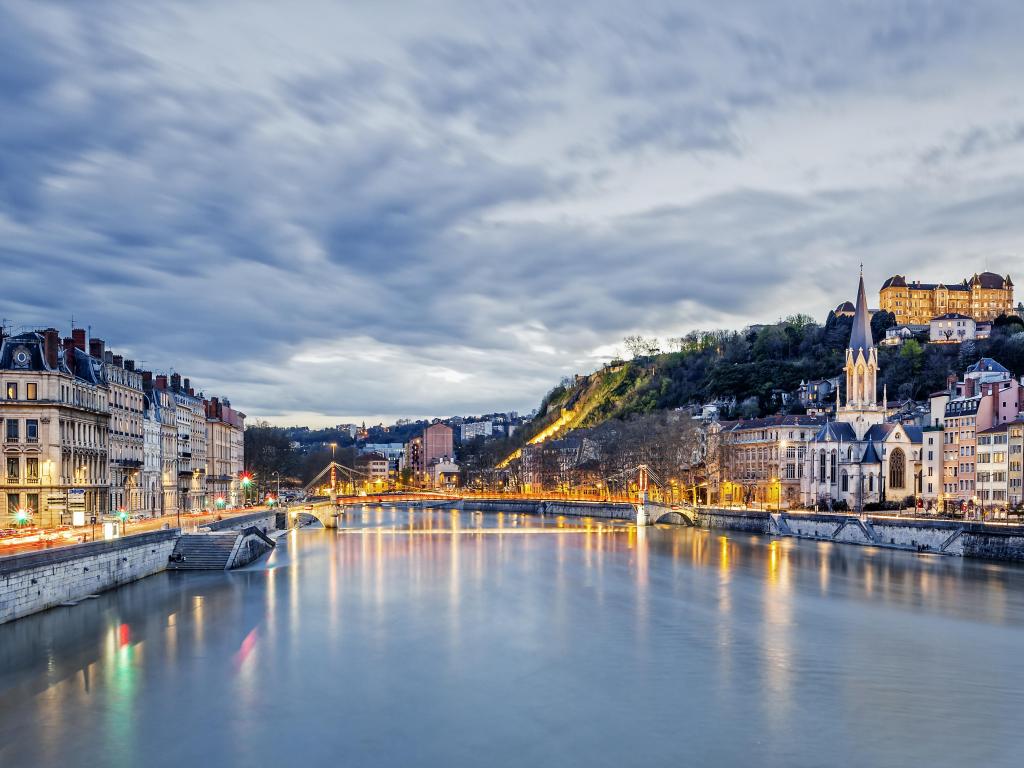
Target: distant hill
pixel 751 367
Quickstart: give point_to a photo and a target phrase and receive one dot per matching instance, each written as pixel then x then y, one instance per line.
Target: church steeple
pixel 861 368
pixel 860 337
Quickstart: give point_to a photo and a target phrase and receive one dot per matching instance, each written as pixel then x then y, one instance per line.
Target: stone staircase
pixel 203 552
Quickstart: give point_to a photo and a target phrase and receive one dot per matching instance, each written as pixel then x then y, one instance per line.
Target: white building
pixel 473 429
pixel 952 328
pixel 126 430
pixel 150 483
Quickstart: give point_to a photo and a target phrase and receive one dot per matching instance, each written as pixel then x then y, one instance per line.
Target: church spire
pixel 860 338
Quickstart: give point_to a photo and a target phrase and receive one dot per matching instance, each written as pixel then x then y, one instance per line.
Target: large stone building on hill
pixel 983 297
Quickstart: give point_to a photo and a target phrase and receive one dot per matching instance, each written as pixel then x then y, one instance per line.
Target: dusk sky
pixel 338 211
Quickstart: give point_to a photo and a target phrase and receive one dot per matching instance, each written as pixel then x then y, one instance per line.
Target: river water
pixel 445 639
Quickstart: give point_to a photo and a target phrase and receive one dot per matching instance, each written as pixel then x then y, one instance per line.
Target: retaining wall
pixel 265 521
pixel 732 519
pixel 36 581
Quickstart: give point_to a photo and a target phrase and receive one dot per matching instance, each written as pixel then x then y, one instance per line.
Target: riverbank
pixel 36 581
pixel 945 537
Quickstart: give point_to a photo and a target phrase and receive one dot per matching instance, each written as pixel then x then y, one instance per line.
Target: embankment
pixel 35 581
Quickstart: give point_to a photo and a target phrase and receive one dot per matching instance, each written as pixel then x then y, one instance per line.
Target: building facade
pixel 952 328
pixel 761 461
pixel 55 430
pixel 127 438
pixel 224 452
pixel 984 296
pixel 860 458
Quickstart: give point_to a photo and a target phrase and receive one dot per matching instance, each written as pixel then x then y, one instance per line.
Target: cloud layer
pixel 331 211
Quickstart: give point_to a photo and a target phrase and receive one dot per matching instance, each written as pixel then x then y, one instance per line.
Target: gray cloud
pixel 447 213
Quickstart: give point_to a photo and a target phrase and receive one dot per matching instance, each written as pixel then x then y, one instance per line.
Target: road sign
pixel 76 497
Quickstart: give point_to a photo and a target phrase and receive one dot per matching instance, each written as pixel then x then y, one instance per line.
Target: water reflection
pixel 511 639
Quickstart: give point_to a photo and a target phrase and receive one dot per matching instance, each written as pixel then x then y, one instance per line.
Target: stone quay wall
pixel 265 521
pixel 731 519
pixel 35 581
pixel 602 510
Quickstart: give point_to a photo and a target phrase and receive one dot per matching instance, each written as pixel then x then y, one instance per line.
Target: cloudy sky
pixel 331 211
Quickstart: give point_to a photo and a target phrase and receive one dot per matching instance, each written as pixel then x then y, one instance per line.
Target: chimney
pixel 51 342
pixel 108 357
pixel 175 381
pixel 187 385
pixel 117 360
pixel 191 392
pixel 147 377
pixel 69 353
pixel 161 382
pixel 78 337
pixel 97 348
pixel 129 365
pixel 968 387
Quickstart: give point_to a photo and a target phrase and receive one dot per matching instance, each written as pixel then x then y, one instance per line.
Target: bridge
pixel 328 508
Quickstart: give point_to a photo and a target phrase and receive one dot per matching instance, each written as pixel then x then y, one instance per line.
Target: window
pixel 32 430
pixel 30 391
pixel 12 430
pixel 897 469
pixel 33 502
pixel 13 502
pixel 12 390
pixel 845 481
pixel 32 469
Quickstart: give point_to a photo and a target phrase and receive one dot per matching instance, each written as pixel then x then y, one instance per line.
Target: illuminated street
pixel 433 638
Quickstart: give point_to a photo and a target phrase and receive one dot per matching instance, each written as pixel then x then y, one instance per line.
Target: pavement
pixel 43 540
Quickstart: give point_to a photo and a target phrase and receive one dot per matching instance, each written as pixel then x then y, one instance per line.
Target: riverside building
pixel 860 458
pixel 55 417
pixel 84 433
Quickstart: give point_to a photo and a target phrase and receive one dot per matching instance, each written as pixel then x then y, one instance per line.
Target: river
pixel 444 639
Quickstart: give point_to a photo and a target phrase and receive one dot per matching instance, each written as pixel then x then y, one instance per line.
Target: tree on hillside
pixel 881 321
pixel 641 346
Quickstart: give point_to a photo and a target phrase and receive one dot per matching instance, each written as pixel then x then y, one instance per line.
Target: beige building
pixel 55 430
pixel 127 439
pixel 761 461
pixel 983 297
pixel 224 452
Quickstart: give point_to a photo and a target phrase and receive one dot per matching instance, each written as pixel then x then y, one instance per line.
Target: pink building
pixel 438 443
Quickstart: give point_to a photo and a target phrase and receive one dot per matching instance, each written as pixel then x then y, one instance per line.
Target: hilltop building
pixel 983 297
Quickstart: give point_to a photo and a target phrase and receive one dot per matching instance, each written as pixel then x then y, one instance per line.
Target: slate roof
pixel 953 316
pixel 870 455
pixel 836 431
pixel 882 432
pixel 985 280
pixel 987 365
pixel 860 338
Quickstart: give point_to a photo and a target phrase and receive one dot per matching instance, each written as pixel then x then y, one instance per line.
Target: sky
pixel 371 210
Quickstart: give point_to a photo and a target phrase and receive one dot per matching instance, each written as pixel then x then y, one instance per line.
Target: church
pixel 859 458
